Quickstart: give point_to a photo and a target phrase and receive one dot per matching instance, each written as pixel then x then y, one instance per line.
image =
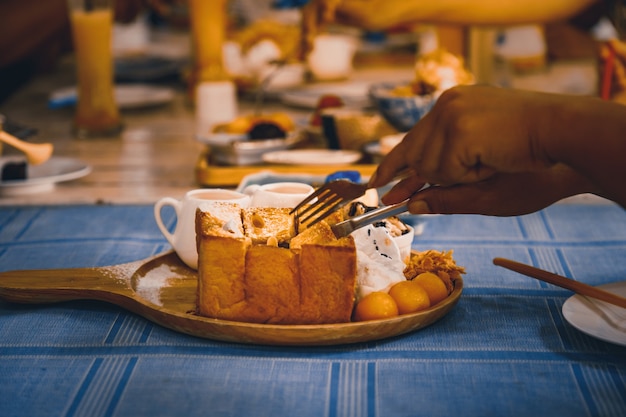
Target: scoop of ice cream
pixel 379 263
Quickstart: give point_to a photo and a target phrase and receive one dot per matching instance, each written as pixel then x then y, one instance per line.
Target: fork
pixel 344 228
pixel 330 197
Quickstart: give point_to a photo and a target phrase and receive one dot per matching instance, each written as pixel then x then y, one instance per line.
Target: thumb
pixel 461 199
pixel 478 198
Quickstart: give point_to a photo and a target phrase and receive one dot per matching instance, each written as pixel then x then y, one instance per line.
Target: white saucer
pixel 353 94
pixel 41 178
pixel 597 318
pixel 312 157
pixel 127 96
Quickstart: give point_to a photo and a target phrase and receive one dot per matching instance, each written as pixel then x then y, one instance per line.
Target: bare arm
pixel 380 14
pixel 589 135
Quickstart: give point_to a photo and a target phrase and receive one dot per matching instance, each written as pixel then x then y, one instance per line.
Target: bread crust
pixel 245 279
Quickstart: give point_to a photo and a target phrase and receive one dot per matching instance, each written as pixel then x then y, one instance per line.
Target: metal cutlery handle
pixel 348 226
pixel 381 213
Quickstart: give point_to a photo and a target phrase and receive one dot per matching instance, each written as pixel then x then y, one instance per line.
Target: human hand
pixel 481 146
pixel 499 195
pixel 472 133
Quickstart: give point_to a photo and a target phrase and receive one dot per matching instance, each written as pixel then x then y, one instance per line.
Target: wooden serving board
pixel 163 289
pixel 209 175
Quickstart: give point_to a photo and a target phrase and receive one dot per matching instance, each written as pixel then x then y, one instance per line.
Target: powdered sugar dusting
pixel 150 285
pixel 121 273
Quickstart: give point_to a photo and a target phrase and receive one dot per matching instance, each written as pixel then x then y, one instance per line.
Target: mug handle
pixel 251 189
pixel 166 201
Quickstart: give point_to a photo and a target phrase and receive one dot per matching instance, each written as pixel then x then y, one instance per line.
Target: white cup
pixel 331 57
pixel 278 194
pixel 183 240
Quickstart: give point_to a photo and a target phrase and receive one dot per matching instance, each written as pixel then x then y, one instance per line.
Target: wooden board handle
pixel 56 285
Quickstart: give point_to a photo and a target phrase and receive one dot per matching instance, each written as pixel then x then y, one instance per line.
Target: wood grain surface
pixel 163 290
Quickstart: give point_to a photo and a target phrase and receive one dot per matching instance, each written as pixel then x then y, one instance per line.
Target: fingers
pixel 503 194
pixel 437 147
pixel 465 199
pixel 403 190
pixel 408 153
pixel 393 163
pixel 468 136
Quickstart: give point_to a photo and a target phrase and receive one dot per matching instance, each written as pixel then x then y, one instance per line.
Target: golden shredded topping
pixel 440 263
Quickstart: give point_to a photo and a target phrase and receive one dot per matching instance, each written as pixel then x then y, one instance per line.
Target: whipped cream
pixel 379 263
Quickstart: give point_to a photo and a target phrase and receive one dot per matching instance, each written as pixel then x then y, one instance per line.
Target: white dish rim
pixel 578 312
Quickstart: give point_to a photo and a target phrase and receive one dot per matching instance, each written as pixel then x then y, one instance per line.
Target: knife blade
pixel 344 228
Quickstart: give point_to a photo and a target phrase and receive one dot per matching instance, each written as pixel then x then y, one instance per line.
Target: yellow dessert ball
pixel 410 297
pixel 374 306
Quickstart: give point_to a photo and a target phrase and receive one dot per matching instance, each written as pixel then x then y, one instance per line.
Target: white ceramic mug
pixel 278 194
pixel 183 240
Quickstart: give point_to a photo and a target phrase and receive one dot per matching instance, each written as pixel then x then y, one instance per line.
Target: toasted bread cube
pixel 272 285
pixel 328 282
pixel 261 223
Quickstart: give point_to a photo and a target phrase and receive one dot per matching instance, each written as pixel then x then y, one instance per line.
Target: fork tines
pixel 330 197
pixel 317 212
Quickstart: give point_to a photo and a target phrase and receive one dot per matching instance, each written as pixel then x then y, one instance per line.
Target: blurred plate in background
pixel 144 68
pixel 128 96
pixel 235 149
pixel 353 94
pixel 43 177
pixel 312 157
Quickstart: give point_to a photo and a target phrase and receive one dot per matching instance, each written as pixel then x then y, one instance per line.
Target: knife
pixel 346 227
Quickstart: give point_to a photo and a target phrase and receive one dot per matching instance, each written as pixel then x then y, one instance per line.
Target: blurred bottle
pixel 97 113
pixel 210 86
pixel 208 34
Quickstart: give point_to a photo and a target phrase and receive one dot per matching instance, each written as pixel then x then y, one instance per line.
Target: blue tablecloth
pixel 504 350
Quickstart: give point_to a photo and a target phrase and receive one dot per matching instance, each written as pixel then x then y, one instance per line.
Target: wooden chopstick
pixel 561 281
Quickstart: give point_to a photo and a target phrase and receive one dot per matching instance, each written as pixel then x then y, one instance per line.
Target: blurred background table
pixel 156 154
